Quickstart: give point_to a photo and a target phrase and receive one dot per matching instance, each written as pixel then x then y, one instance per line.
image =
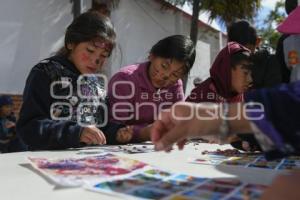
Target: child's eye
pixel 246 73
pixel 90 50
pixel 164 66
pixel 105 55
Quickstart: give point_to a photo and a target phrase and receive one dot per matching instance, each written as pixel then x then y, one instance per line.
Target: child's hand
pixel 244 144
pixel 125 134
pixel 92 135
pixel 10 124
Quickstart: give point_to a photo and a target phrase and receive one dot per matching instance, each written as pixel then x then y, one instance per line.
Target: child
pixel 9 141
pixel 266 68
pixel 138 92
pixel 64 98
pixel 230 78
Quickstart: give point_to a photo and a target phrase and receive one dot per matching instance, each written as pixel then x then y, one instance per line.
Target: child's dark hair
pixel 290 5
pixel 5 100
pixel 177 47
pixel 89 26
pixel 240 57
pixel 242 32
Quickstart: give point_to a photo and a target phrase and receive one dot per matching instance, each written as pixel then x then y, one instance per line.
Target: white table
pixel 19 182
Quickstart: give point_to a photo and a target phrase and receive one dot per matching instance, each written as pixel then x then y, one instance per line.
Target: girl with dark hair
pixel 230 77
pixel 137 92
pixel 64 97
pixel 266 68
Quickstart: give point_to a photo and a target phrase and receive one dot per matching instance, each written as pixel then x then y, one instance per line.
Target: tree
pixel 268 32
pixel 225 11
pixel 228 11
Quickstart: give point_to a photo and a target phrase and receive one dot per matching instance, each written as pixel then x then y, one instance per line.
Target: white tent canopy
pixel 31 30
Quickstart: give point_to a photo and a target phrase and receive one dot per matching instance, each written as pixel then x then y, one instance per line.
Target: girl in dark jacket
pixel 64 98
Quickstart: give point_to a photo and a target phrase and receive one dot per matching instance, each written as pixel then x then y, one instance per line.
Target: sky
pixel 267 6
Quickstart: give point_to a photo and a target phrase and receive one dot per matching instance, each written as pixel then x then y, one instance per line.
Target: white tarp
pixel 31 30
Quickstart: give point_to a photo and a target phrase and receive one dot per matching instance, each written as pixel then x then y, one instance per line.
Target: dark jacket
pixel 285 72
pixel 49 121
pixel 266 70
pixel 279 120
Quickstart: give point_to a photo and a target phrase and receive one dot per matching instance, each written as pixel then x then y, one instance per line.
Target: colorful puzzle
pixel 157 184
pixel 260 162
pixel 73 171
pixel 247 160
pixel 112 174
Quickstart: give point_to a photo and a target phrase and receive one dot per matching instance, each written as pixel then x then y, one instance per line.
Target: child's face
pixel 164 72
pixel 88 57
pixel 5 110
pixel 241 78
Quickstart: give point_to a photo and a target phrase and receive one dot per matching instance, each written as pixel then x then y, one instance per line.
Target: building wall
pixel 31 30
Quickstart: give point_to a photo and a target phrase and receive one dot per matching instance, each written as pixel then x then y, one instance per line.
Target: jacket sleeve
pixel 279 120
pixel 273 72
pixel 121 99
pixel 35 125
pixel 110 131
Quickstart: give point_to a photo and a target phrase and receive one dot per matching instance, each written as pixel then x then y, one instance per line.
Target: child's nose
pixel 250 79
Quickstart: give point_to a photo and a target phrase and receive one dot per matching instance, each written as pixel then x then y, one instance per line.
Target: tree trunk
pixel 194 23
pixel 193 31
pixel 77 8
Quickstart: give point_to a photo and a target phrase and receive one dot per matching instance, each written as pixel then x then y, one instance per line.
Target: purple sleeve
pixel 263 124
pixel 280 116
pixel 121 93
pixel 116 93
pixel 136 131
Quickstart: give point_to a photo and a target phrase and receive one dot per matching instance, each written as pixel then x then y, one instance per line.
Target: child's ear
pixel 150 57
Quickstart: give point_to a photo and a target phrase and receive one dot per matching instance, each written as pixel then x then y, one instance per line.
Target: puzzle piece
pixel 130 149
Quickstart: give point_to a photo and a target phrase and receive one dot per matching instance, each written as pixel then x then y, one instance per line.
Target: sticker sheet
pixel 74 171
pixel 249 161
pixel 158 184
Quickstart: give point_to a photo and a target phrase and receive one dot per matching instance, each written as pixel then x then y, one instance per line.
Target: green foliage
pixel 268 32
pixel 228 11
pixel 225 11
